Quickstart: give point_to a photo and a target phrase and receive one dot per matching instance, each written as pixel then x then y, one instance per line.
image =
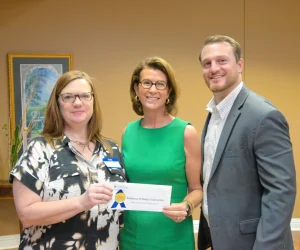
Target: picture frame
pixel 31 78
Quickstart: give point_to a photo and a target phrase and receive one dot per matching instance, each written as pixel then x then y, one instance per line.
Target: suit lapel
pixel 228 126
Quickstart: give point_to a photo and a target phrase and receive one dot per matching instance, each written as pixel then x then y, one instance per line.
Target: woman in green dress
pixel 160 149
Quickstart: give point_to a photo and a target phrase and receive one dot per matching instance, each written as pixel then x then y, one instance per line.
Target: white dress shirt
pixel 219 114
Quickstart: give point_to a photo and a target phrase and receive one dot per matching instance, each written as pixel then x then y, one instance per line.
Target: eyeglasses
pixel 147 84
pixel 70 98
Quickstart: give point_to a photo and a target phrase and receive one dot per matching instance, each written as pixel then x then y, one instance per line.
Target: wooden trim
pixel 5 190
pixel 7 193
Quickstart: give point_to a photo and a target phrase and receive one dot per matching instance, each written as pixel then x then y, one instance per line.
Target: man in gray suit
pixel 248 175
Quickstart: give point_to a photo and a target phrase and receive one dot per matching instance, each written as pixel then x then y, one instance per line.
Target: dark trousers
pixel 208 237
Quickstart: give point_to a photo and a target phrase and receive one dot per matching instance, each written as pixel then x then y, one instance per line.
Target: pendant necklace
pixel 81 144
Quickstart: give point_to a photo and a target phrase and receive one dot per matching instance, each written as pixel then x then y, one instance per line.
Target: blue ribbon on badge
pixel 120 197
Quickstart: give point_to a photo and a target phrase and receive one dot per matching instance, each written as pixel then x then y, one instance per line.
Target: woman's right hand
pixel 96 194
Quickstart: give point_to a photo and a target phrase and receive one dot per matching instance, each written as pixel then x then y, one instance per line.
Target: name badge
pixel 112 163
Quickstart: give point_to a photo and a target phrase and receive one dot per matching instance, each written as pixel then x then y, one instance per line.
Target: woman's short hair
pixel 162 65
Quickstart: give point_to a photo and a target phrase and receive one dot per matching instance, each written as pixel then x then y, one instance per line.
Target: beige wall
pixel 108 38
pixel 272 55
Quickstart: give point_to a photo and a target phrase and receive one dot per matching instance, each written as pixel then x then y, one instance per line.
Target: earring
pixel 136 98
pixel 167 101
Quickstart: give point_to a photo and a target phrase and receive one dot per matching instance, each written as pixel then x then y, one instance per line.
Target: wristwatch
pixel 188 210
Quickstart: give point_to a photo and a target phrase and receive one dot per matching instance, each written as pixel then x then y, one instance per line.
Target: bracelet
pixel 191 207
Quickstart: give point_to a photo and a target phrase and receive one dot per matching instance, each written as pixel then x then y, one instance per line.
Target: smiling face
pixel 78 112
pixel 221 71
pixel 152 99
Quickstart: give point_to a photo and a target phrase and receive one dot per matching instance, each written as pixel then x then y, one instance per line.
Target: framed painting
pixel 31 79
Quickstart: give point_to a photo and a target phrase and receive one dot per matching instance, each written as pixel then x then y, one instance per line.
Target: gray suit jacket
pixel 252 187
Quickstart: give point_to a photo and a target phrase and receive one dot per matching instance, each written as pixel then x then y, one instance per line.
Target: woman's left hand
pixel 176 211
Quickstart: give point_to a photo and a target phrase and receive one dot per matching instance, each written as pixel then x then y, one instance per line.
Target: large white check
pixel 143 197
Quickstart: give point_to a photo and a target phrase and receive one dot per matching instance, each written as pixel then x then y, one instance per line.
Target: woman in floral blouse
pixel 60 183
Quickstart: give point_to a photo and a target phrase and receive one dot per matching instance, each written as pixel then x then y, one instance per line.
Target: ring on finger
pixel 177 218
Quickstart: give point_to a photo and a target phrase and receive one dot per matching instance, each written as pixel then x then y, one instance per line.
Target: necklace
pixel 81 144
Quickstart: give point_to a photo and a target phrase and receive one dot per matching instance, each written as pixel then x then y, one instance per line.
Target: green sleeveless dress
pixel 156 156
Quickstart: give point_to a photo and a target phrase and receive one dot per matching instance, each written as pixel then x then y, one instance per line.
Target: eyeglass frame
pixel 153 83
pixel 78 95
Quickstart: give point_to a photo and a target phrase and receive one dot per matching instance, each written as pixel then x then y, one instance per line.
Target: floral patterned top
pixel 61 173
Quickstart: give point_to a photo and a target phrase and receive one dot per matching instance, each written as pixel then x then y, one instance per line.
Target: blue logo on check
pixel 120 197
